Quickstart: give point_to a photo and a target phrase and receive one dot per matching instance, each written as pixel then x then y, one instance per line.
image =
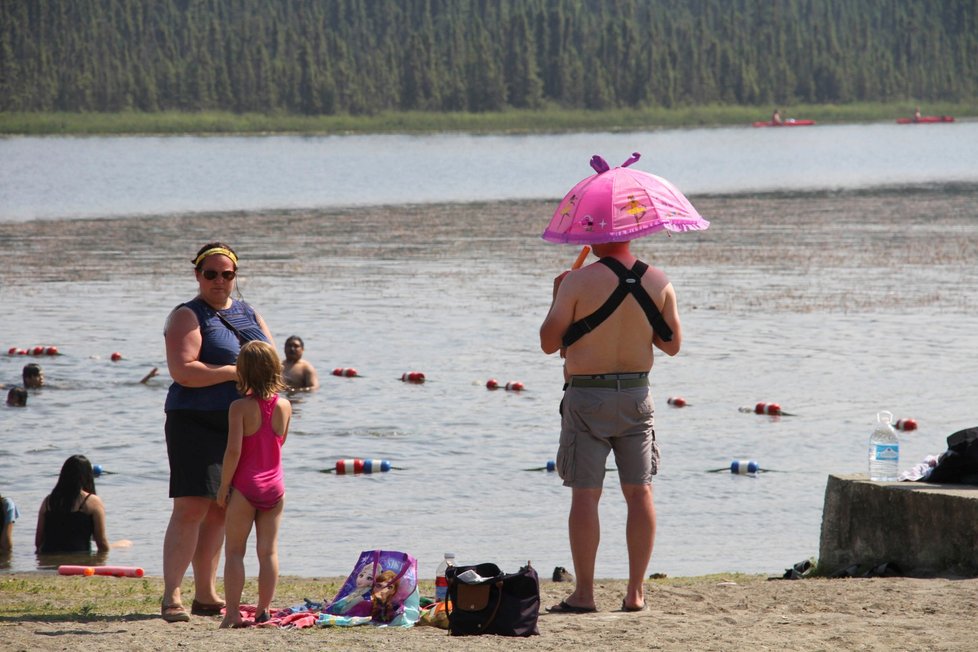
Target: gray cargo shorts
pixel 598 420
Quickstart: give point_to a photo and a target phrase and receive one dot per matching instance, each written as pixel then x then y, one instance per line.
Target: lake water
pixel 849 289
pixel 98 177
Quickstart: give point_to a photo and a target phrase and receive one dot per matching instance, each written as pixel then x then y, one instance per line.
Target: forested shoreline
pixel 363 57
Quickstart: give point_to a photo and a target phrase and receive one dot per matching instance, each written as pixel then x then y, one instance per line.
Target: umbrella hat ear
pixel 599 164
pixel 635 156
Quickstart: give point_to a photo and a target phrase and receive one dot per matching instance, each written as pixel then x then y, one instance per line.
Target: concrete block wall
pixel 926 529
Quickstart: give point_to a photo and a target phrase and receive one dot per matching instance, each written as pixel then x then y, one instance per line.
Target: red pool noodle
pixel 112 571
pixel 76 570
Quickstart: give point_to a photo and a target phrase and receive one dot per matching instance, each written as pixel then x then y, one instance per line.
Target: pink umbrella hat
pixel 620 205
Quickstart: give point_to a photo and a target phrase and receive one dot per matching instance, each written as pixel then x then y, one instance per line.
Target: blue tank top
pixel 219 345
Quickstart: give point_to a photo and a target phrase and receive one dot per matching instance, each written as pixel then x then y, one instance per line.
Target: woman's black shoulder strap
pixel 629 282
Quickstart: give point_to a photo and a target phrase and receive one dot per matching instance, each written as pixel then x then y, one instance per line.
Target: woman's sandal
pixel 206 608
pixel 174 613
pixel 566 608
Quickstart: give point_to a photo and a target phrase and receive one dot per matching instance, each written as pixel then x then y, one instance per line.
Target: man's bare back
pixel 624 341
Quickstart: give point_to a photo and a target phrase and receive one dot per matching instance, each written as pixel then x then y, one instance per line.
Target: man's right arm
pixel 559 318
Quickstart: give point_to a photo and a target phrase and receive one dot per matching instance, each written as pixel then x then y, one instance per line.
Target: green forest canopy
pixel 329 57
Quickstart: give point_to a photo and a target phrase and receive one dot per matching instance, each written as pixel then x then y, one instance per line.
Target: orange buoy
pixel 12 350
pixel 905 424
pixel 116 356
pixel 676 401
pixel 767 408
pixel 412 377
pixel 492 383
pixel 38 350
pixel 51 350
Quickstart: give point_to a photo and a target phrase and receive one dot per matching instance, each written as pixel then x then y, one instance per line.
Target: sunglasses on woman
pixel 211 274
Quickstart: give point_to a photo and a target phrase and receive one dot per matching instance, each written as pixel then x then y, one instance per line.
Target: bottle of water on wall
pixel 884 450
pixel 441 582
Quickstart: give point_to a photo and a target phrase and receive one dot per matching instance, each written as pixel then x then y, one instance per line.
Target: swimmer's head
pixel 33 375
pixel 294 346
pixel 17 397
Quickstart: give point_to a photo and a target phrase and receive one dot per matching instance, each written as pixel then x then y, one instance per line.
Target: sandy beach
pixel 718 612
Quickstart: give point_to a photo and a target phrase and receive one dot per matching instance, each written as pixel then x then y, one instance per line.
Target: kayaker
pixel 916 114
pixel 776 117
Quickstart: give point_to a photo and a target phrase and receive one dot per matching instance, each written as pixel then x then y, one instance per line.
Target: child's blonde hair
pixel 259 370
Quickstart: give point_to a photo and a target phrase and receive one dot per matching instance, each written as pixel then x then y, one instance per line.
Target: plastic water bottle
pixel 884 450
pixel 441 582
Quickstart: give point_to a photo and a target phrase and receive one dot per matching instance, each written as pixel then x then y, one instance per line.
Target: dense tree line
pixel 364 56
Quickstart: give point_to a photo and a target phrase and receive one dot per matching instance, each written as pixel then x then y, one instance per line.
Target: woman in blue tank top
pixel 203 337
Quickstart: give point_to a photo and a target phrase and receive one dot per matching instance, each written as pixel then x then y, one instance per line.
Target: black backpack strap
pixel 629 282
pixel 652 312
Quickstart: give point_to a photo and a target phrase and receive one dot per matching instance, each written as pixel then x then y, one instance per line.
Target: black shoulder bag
pixel 494 602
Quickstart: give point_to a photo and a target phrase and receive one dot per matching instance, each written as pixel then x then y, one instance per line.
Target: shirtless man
pixel 298 373
pixel 607 406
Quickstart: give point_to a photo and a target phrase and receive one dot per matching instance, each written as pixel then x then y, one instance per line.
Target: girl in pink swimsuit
pixel 252 487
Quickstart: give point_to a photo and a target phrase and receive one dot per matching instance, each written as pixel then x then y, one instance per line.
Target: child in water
pixel 252 485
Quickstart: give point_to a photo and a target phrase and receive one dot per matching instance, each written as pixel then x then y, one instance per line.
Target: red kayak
pixel 924 119
pixel 790 122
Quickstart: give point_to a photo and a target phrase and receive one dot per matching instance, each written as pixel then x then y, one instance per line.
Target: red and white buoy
pixel 348 372
pixel 412 377
pixel 676 401
pixel 116 356
pixel 767 408
pixel 905 424
pixel 515 386
pixel 492 383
